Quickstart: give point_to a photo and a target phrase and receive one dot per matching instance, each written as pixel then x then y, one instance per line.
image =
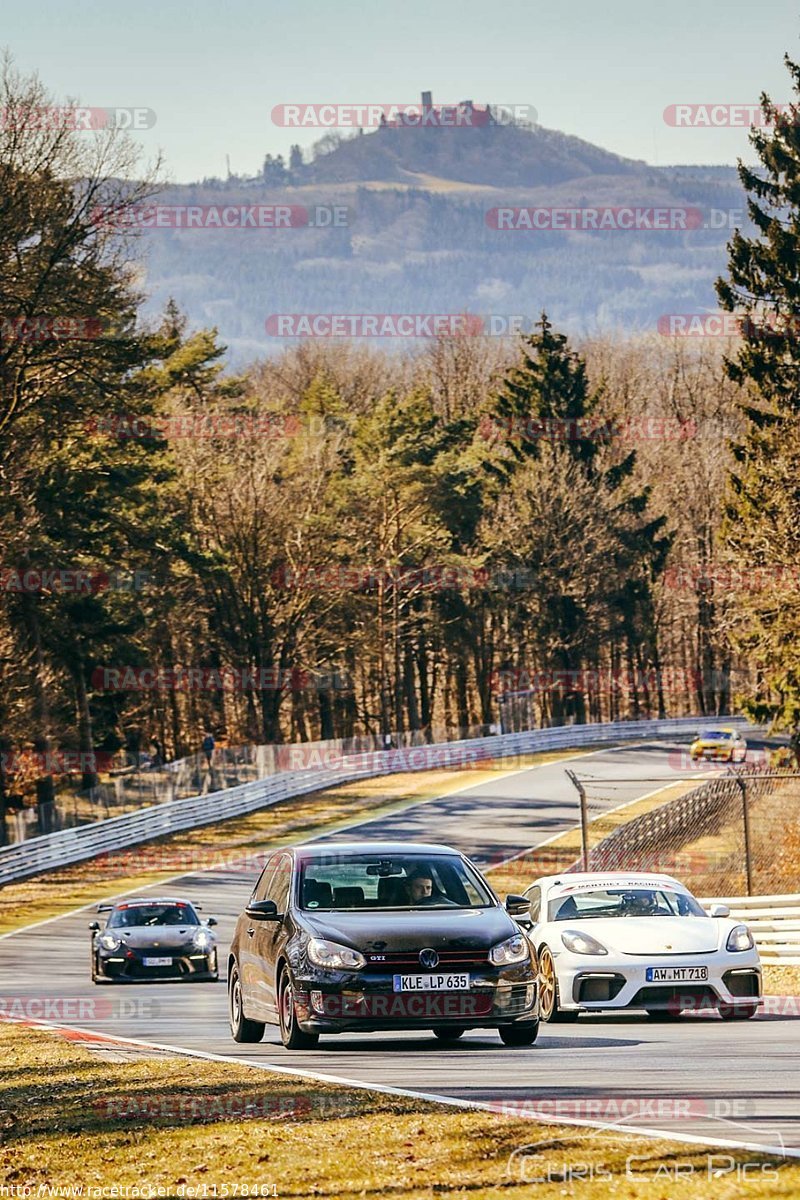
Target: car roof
pixel 571 878
pixel 136 900
pixel 718 727
pixel 326 849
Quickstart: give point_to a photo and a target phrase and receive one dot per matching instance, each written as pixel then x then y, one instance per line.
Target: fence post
pixel 584 818
pixel 746 823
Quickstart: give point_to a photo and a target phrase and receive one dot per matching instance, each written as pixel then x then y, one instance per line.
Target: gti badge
pixel 429 959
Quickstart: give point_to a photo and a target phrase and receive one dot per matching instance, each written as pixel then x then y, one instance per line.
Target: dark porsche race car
pixel 147 939
pixel 380 936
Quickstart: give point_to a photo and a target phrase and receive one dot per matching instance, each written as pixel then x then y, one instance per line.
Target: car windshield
pixel 624 902
pixel 715 735
pixel 391 881
pixel 152 914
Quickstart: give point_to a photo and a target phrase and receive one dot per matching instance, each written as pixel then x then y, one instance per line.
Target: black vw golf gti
pixel 379 936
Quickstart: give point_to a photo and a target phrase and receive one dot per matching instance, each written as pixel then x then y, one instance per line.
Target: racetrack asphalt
pixel 701 1077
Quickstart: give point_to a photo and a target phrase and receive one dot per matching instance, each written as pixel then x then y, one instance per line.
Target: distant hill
pixel 487 155
pixel 417 238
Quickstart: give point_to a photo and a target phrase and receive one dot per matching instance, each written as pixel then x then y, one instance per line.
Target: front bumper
pixel 715 753
pixel 129 967
pixel 621 984
pixel 339 1002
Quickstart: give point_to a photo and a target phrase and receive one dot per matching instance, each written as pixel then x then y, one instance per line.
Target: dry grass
pixel 178 1123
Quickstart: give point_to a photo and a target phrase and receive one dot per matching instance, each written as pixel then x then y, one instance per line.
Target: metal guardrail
pixel 137 781
pixel 774 922
pixel 67 846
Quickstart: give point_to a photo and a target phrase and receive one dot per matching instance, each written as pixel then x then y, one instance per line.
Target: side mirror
pixel 211 922
pixel 263 910
pixel 719 910
pixel 95 926
pixel 518 906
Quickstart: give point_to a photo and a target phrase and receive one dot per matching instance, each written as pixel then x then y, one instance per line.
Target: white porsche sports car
pixel 612 940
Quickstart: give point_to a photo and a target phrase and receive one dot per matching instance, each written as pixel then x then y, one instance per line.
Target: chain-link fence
pixel 736 834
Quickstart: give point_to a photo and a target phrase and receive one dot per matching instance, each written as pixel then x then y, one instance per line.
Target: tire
pixel 737 1012
pixel 97 978
pixel 524 1034
pixel 292 1036
pixel 549 1005
pixel 242 1029
pixel 445 1034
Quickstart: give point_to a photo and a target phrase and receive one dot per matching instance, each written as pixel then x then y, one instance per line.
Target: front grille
pixel 136 969
pixel 675 996
pixel 408 960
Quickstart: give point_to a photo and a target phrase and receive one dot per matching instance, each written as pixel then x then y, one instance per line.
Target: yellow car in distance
pixel 720 743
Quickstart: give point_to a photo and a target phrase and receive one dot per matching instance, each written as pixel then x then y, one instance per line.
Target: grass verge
pixel 72 1117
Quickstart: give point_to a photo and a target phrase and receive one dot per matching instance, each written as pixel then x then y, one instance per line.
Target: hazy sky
pixel 212 70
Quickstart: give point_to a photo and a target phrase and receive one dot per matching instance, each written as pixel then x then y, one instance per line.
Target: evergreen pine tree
pixel 762 528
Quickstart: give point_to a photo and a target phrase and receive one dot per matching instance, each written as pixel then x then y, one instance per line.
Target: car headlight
pixel 333 956
pixel 109 942
pixel 203 940
pixel 512 950
pixel 740 938
pixel 582 943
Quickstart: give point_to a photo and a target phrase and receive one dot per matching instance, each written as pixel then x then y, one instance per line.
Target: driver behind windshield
pixel 419 890
pixel 640 904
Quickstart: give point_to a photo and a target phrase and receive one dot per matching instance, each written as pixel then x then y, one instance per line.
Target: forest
pixel 475 534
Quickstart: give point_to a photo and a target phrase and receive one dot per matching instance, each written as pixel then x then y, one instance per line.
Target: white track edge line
pixel 431 1097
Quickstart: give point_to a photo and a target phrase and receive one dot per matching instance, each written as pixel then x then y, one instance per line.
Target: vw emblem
pixel 429 959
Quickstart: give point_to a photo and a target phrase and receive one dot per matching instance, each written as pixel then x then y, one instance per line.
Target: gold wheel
pixel 547 984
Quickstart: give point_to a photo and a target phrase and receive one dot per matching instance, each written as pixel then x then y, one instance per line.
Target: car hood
pixel 168 936
pixel 385 930
pixel 659 936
